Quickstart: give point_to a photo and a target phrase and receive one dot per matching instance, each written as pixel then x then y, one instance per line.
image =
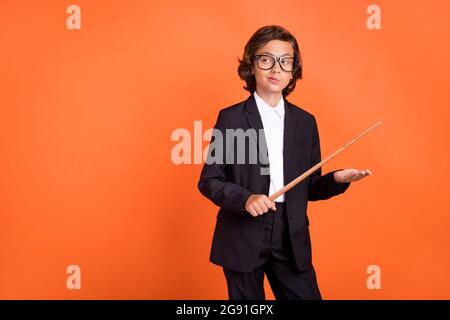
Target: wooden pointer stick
pixel 317 166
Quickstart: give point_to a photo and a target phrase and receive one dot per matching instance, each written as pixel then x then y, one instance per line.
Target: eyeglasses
pixel 266 62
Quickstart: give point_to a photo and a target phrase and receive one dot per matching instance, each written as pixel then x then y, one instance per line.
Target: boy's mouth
pixel 273 80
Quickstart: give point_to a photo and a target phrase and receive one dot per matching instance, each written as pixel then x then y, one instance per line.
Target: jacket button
pixel 259 218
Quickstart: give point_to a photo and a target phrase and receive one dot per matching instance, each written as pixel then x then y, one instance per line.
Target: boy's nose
pixel 276 67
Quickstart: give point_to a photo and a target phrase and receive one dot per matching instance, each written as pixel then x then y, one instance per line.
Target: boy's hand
pixel 350 175
pixel 258 204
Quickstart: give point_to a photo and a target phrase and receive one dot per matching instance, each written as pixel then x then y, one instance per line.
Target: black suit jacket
pixel 238 235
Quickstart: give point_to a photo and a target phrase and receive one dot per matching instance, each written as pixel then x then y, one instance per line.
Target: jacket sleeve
pixel 213 183
pixel 322 187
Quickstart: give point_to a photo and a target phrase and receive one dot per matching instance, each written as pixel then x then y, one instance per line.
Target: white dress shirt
pixel 273 123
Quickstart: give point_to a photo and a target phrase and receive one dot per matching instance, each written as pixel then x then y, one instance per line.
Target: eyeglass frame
pixel 277 59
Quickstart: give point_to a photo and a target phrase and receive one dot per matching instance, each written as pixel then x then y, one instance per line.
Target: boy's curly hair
pixel 259 39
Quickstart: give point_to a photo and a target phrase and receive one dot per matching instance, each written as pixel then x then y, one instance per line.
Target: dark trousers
pixel 276 260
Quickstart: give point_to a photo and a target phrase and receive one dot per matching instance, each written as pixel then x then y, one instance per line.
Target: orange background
pixel 86 117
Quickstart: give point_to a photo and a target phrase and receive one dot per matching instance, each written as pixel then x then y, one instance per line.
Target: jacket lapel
pixel 288 138
pixel 252 114
pixel 289 126
pixel 254 121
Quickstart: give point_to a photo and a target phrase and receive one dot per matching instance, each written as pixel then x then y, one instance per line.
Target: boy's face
pixel 273 80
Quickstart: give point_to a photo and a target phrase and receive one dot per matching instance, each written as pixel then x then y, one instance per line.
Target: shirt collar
pixel 265 108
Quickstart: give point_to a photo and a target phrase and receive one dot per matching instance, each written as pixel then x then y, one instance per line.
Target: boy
pixel 254 235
